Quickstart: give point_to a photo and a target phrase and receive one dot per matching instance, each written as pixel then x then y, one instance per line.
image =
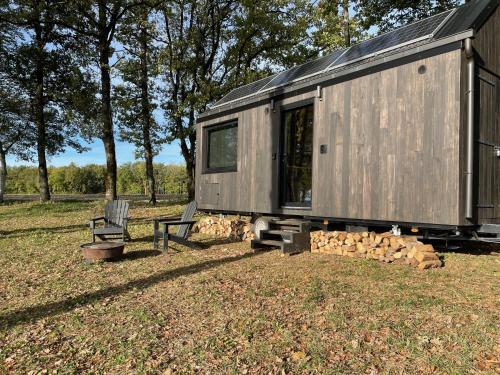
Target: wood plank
pixel 346 153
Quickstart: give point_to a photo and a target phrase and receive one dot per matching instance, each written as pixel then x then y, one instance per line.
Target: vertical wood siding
pixel 393 142
pixel 398 149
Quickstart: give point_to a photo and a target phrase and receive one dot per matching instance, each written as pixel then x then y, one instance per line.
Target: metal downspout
pixel 469 187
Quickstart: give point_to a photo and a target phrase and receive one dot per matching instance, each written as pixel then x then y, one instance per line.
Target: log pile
pixel 383 246
pixel 234 228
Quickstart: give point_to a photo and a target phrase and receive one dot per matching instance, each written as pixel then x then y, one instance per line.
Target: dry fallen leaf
pixel 473 317
pixel 298 356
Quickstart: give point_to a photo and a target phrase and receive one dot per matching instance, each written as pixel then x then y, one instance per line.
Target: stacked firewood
pixel 385 247
pixel 232 228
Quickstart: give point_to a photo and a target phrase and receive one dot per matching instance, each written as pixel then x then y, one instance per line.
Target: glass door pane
pixel 296 156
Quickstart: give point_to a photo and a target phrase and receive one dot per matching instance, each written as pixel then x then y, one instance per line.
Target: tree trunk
pixel 347 30
pixel 43 179
pixel 189 157
pixel 107 134
pixel 3 173
pixel 146 115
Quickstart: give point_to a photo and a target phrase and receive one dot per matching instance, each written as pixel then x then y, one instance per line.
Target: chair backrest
pixel 116 211
pixel 188 214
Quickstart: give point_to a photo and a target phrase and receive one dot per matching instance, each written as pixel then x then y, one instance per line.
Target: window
pixel 222 147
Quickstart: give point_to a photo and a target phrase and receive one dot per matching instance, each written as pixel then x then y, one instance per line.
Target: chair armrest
pixel 93 221
pixel 177 222
pixel 166 218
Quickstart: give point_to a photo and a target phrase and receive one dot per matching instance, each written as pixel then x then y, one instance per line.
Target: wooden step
pixel 270 242
pixel 290 229
pixel 279 232
pixel 290 222
pixel 278 235
pixel 266 245
pixel 290 235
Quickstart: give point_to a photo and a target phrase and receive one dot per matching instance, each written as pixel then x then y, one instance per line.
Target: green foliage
pixel 389 14
pixel 22 180
pixel 172 179
pixel 336 25
pixel 135 96
pixel 44 76
pixel 89 179
pixel 16 134
pixel 131 178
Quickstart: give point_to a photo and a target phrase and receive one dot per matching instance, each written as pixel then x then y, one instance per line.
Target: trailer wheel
pixel 261 223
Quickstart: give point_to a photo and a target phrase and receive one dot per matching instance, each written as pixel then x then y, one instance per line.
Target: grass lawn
pixel 224 309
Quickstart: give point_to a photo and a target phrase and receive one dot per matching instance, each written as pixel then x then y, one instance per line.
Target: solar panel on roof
pixel 304 70
pixel 409 34
pixel 245 90
pixel 392 39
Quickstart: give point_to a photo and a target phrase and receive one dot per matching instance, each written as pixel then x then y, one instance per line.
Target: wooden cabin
pixel 403 128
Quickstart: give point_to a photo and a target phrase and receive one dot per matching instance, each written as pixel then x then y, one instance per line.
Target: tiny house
pixel 401 129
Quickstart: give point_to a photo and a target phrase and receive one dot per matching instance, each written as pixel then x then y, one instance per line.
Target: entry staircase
pixel 290 235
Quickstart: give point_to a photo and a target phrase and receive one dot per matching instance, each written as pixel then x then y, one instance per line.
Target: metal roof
pixel 442 26
pixel 469 16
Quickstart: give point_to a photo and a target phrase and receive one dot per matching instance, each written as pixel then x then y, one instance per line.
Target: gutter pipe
pixel 469 187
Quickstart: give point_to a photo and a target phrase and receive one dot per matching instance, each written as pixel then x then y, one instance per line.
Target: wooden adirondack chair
pixel 185 223
pixel 115 221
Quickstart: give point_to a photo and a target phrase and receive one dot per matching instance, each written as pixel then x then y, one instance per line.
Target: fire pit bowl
pixel 105 250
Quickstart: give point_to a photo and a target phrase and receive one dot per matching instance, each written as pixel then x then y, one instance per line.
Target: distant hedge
pixel 89 179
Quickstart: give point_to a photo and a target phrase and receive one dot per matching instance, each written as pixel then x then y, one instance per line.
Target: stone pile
pixel 233 228
pixel 385 247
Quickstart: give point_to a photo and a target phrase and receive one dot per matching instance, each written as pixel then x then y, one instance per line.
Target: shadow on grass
pixel 26 231
pixel 199 243
pixel 139 254
pixel 216 242
pixel 37 312
pixel 465 247
pixel 148 238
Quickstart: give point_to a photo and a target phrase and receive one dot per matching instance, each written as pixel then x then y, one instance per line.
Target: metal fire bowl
pixel 105 250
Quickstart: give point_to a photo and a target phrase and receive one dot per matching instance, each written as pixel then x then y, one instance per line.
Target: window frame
pixel 206 149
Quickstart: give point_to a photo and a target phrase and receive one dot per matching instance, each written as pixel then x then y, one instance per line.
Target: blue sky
pixel 170 154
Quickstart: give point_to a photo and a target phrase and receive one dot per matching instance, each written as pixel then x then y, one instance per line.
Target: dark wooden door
pixel 488 147
pixel 296 157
